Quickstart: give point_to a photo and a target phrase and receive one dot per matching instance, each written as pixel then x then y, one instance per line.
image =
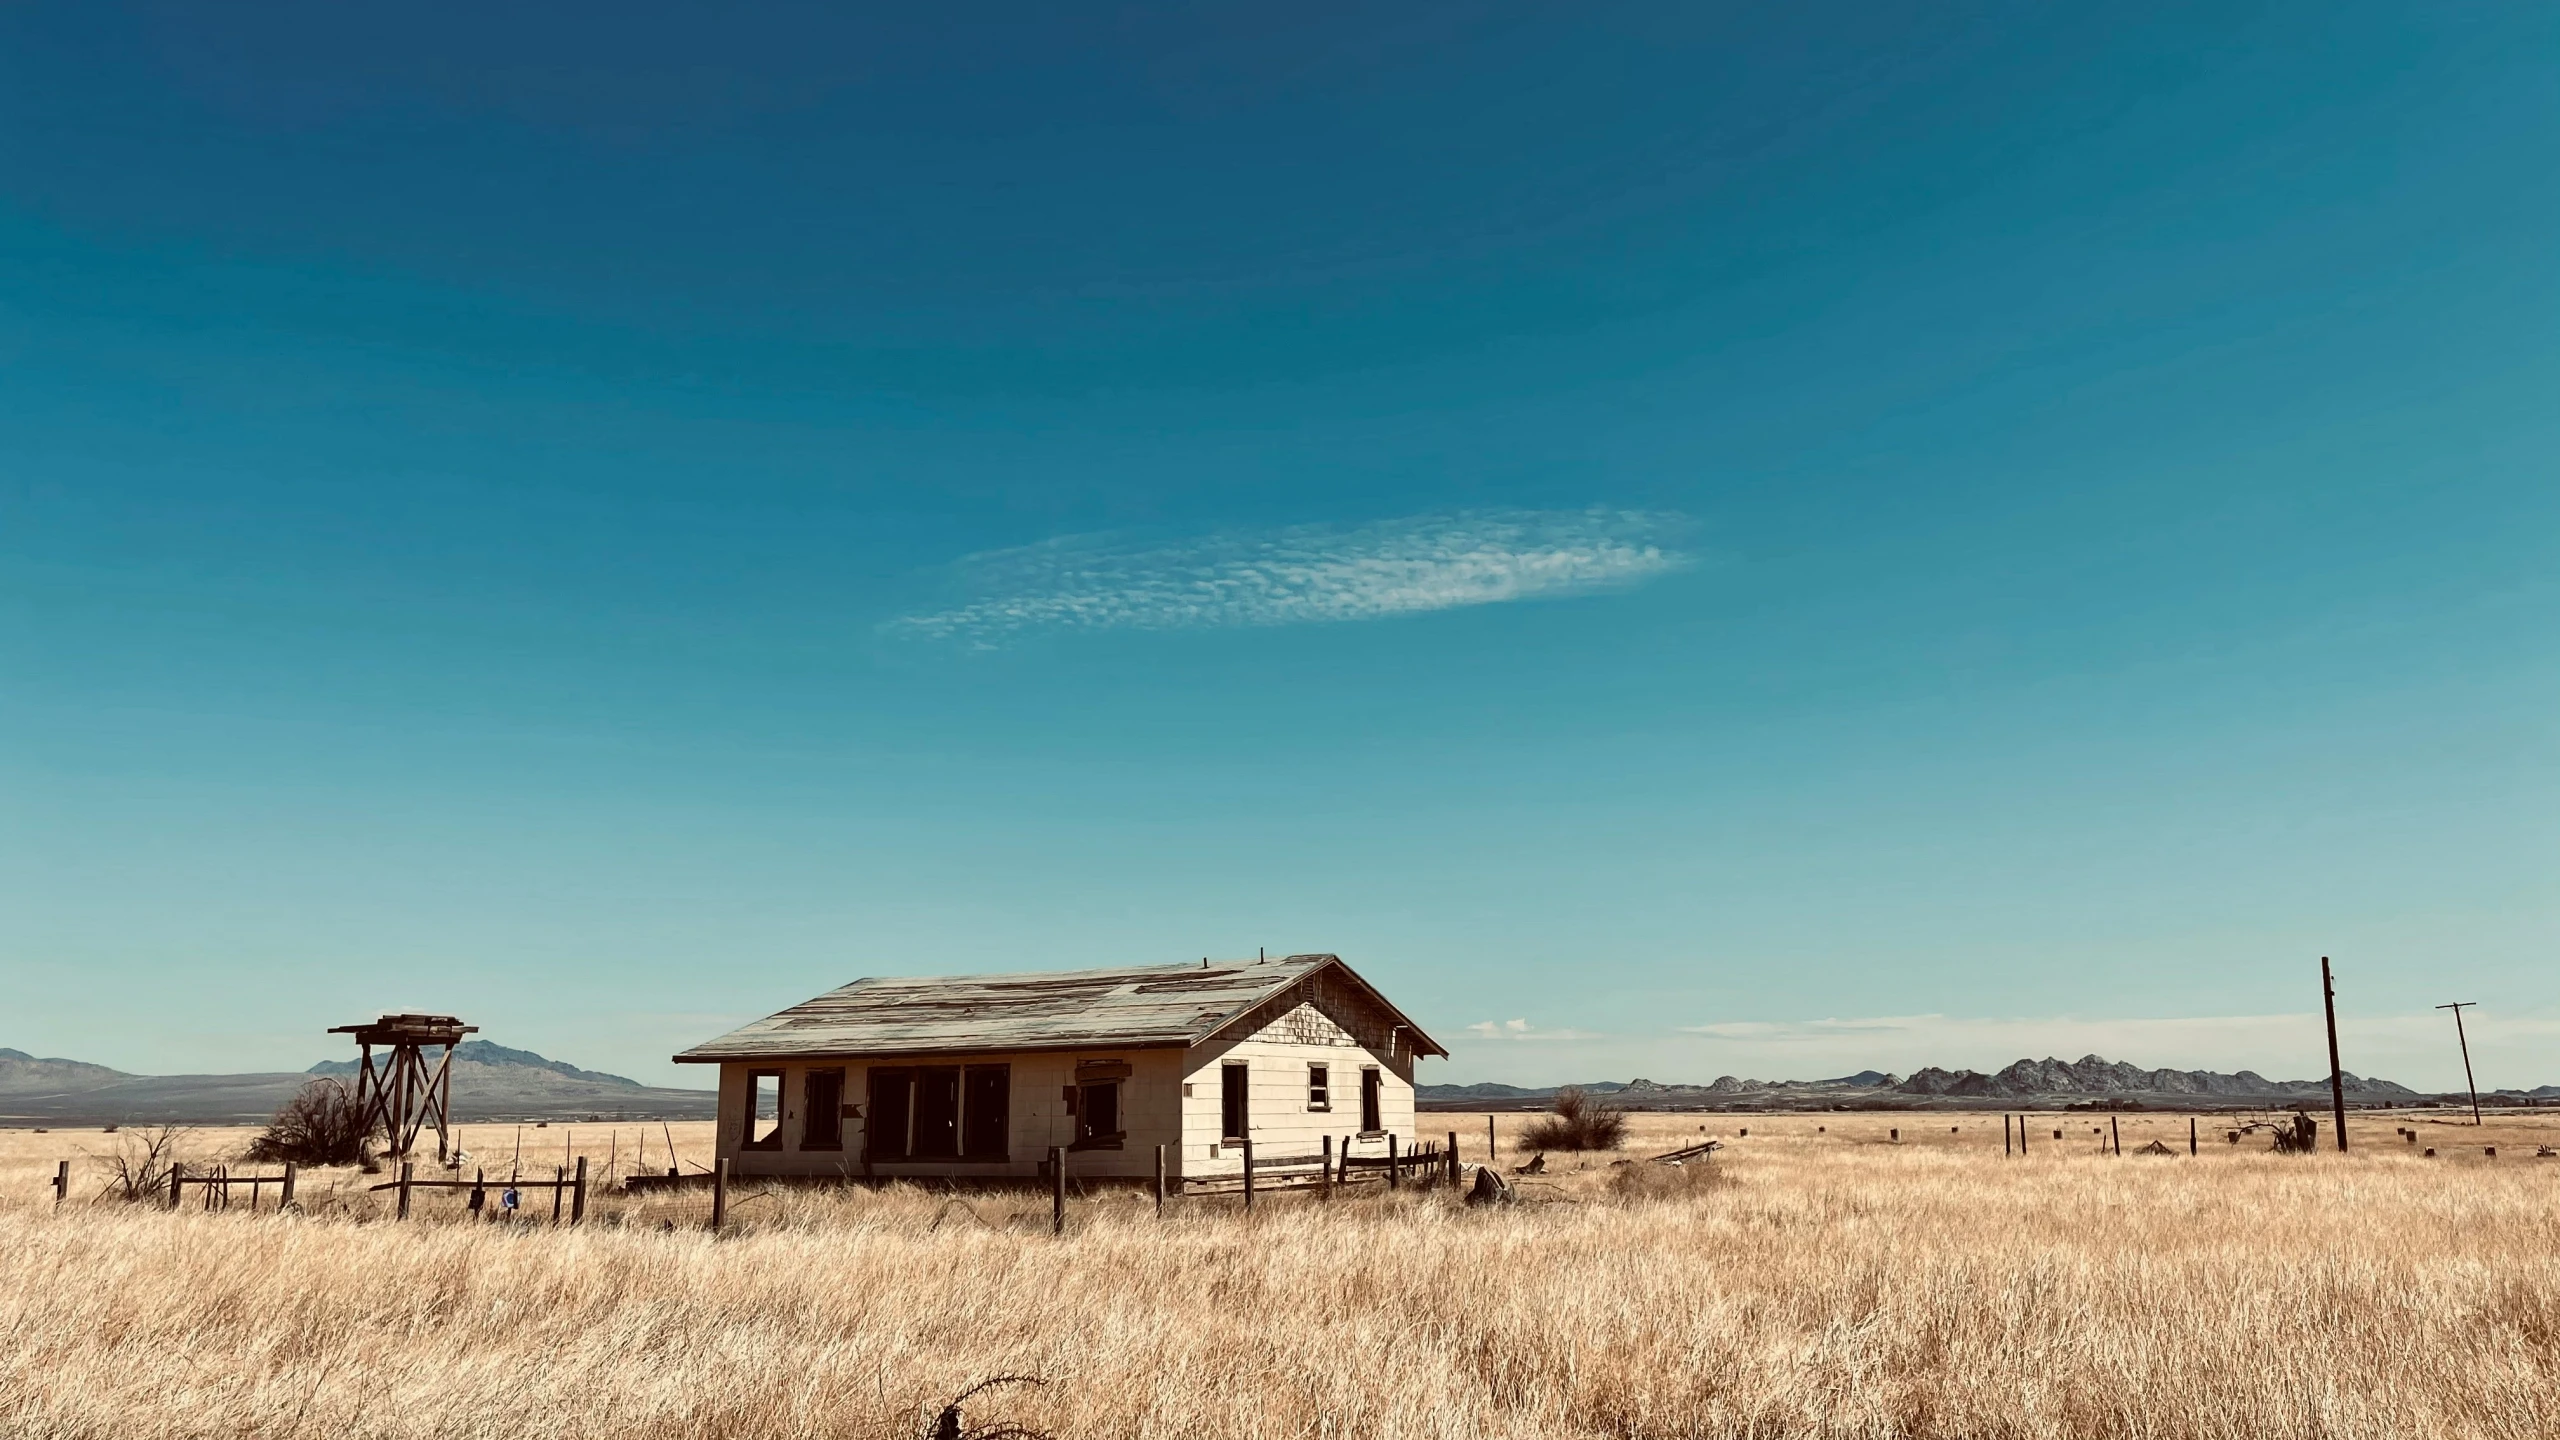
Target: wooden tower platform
pixel 401 1095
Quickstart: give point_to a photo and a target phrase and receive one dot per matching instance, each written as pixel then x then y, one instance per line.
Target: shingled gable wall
pixel 1325 1019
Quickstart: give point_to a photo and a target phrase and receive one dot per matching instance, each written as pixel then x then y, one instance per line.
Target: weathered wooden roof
pixel 1133 1006
pixel 408 1030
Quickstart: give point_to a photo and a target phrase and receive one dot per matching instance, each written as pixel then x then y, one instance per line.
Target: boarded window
pixel 1372 1118
pixel 884 1131
pixel 1232 1116
pixel 764 1110
pixel 1319 1087
pixel 822 1109
pixel 985 1127
pixel 937 1132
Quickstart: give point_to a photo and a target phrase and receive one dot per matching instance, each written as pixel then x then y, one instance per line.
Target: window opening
pixel 764 1109
pixel 884 1131
pixel 1231 1103
pixel 1319 1087
pixel 1098 1113
pixel 1371 1120
pixel 822 1099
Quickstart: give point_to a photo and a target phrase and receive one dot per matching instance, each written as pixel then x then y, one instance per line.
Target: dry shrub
pixel 320 1125
pixel 1579 1123
pixel 139 1170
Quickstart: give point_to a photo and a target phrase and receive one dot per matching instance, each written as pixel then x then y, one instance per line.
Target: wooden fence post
pixel 177 1177
pixel 720 1196
pixel 2004 1135
pixel 1057 1189
pixel 61 1182
pixel 1324 1183
pixel 578 1198
pixel 1392 1165
pixel 284 1192
pixel 2191 1134
pixel 1248 1172
pixel 2115 1137
pixel 1159 1182
pixel 1490 1153
pixel 1453 1157
pixel 404 1189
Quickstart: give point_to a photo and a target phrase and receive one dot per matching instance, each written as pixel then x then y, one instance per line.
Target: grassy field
pixel 1817 1279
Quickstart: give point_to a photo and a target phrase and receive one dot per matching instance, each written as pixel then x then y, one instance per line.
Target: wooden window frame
pixel 747 1136
pixel 1373 1101
pixel 1087 1139
pixel 1319 1088
pixel 809 1109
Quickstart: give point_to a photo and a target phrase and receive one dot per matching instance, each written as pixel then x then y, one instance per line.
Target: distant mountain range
pixel 491 1082
pixel 486 1053
pixel 2050 1081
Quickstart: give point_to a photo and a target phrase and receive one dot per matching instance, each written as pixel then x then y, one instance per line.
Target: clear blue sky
pixel 1754 539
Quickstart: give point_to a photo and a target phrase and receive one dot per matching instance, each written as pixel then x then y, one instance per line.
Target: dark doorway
pixel 937 1132
pixel 884 1134
pixel 1371 1090
pixel 985 1129
pixel 1232 1116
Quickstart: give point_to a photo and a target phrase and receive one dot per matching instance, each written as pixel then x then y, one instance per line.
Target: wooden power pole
pixel 2337 1077
pixel 2457 1007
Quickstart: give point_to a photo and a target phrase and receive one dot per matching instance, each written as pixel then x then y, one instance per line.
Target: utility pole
pixel 2337 1077
pixel 2457 1008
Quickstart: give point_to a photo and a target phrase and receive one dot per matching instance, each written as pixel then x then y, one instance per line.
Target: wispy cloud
pixel 1523 1030
pixel 1301 574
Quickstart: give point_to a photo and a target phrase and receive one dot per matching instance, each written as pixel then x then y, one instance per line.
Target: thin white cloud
pixel 1523 1030
pixel 1302 574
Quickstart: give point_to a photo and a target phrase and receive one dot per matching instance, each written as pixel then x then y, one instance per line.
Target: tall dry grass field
pixel 1807 1283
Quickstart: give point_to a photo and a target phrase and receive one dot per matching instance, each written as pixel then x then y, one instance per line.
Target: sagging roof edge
pixel 695 1057
pixel 1423 1043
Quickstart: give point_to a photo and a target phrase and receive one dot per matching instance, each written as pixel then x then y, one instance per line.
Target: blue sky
pixel 1681 540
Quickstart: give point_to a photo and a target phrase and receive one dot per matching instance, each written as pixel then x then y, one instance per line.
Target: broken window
pixel 1371 1094
pixel 822 1102
pixel 1098 1113
pixel 1319 1087
pixel 1231 1103
pixel 764 1110
pixel 939 1112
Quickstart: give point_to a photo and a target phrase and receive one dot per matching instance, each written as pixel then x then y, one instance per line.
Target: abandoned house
pixel 980 1075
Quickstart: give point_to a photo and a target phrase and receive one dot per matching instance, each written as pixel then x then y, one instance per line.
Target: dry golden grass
pixel 1806 1284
